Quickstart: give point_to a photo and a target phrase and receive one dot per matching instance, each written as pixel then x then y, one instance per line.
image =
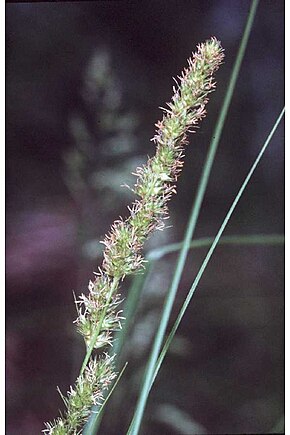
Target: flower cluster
pixel 155 180
pixel 92 306
pixel 88 391
pixel 98 316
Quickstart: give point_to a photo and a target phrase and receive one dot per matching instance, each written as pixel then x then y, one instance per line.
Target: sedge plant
pixel 99 315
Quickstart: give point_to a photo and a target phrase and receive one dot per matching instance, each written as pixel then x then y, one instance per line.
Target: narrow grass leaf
pixel 136 422
pixel 213 246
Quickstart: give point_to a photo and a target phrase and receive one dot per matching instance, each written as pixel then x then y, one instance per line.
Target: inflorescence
pixel 98 313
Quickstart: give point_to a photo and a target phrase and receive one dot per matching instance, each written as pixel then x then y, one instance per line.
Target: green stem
pixel 130 308
pixel 248 239
pixel 212 248
pixel 136 422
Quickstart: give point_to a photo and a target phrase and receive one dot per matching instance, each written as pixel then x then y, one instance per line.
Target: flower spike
pixel 98 314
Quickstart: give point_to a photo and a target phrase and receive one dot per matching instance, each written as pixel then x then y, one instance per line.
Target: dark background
pixel 83 84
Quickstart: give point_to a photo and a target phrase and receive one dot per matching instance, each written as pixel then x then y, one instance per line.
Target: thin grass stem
pixel 247 239
pixel 130 308
pixel 213 246
pixel 167 308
